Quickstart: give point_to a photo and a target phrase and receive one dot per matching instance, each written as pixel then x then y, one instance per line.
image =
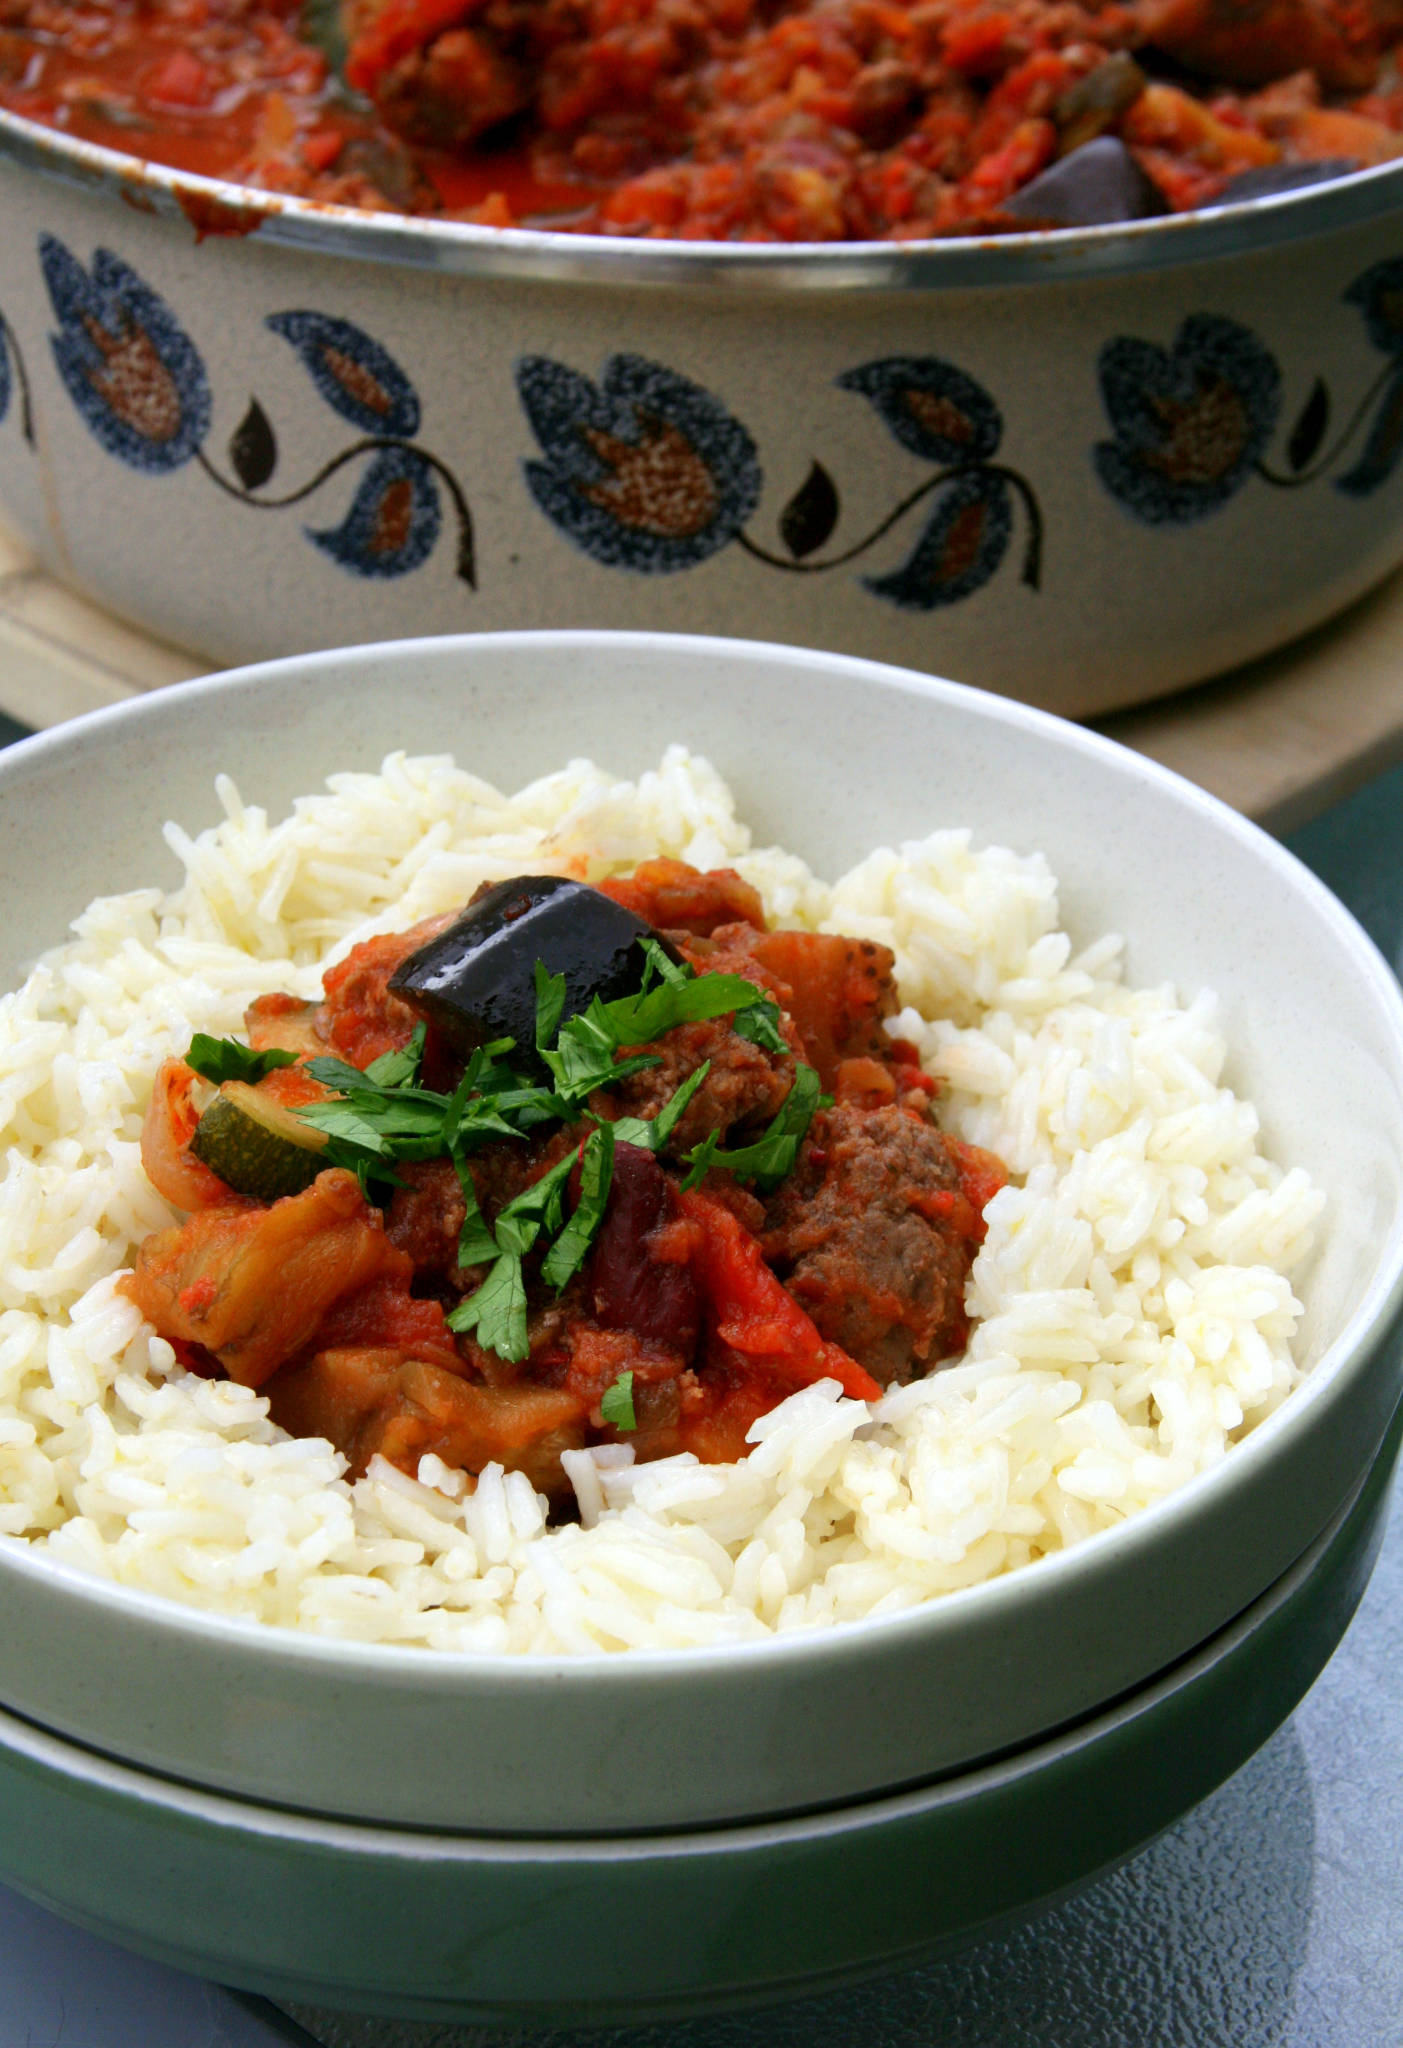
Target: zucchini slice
pixel 255 1146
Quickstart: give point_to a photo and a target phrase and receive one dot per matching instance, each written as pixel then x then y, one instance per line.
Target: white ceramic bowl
pixel 1079 468
pixel 828 756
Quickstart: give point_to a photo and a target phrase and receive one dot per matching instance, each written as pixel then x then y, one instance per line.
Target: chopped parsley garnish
pixel 772 1156
pixel 617 1403
pixel 381 1116
pixel 225 1059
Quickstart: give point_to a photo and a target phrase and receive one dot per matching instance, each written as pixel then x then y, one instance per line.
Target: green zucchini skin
pixel 256 1147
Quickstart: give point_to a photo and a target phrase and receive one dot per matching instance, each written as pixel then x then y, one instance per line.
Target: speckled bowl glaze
pixel 1079 468
pixel 526 1933
pixel 830 757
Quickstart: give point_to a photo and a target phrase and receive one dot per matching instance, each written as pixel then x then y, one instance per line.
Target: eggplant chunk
pixel 477 980
pixel 1093 186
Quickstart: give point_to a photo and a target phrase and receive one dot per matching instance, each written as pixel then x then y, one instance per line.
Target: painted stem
pixel 1342 441
pixel 26 408
pixel 1032 560
pixel 1033 553
pixel 371 445
pixel 860 547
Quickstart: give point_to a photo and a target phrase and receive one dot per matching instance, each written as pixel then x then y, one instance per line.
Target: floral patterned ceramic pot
pixel 1080 468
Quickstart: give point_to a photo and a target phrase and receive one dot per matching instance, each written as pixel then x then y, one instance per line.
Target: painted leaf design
pixel 930 407
pixel 811 514
pixel 964 540
pixel 1378 293
pixel 393 521
pixel 644 470
pixel 253 448
pixel 1383 447
pixel 1309 430
pixel 354 374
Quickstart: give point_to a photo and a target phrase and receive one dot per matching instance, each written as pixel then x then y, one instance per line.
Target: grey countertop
pixel 1268 1918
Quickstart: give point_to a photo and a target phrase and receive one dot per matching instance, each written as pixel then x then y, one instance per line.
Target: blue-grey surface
pixel 1269 1918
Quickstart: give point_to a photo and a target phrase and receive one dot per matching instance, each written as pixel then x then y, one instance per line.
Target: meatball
pixel 870 1235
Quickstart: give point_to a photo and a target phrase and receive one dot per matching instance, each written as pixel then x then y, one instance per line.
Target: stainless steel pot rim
pixel 214 208
pixel 1376 1322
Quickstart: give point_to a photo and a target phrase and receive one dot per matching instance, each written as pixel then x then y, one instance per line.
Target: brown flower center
pixel 963 540
pixel 134 382
pixel 940 416
pixel 356 381
pixel 659 483
pixel 393 517
pixel 1204 436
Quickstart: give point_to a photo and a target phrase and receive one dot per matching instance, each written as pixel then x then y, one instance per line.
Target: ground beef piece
pixel 425 1216
pixel 863 1236
pixel 745 1083
pixel 460 87
pixel 836 993
pixel 427 1210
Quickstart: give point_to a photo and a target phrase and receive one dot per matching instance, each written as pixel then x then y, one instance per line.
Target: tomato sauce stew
pixel 727 120
pixel 578 1166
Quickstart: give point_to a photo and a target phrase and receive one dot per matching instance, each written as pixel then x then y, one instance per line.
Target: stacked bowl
pixel 483 1836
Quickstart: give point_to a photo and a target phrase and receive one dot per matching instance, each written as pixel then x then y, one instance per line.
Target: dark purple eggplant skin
pixel 477 980
pixel 1098 185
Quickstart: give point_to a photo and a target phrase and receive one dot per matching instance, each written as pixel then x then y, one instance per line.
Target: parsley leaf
pixel 226 1059
pixel 760 1024
pixel 476 1244
pixel 651 1133
pixel 394 1069
pixel 497 1311
pixel 659 965
pixel 617 1403
pixel 567 1254
pixel 550 1003
pixel 772 1156
pixel 586 1044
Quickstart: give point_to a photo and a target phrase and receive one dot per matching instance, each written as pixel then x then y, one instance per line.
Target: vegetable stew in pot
pixel 727 120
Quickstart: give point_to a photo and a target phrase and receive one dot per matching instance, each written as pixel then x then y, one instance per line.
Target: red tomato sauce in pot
pixel 726 120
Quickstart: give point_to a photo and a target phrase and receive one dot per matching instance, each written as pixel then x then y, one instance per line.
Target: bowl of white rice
pixel 1183 1352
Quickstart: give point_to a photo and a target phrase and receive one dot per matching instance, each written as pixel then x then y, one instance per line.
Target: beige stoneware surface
pixel 1278 740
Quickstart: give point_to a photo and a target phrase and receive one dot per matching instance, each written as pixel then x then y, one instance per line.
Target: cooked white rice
pixel 1133 1315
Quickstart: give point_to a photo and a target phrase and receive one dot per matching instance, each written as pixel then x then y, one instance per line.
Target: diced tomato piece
pixel 395 31
pixel 180 80
pixel 753 1315
pixel 676 897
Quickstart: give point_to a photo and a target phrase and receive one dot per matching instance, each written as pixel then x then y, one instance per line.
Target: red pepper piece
pixel 752 1313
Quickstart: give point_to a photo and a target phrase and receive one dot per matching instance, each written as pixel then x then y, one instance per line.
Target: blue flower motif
pixel 129 367
pixel 930 407
pixel 643 471
pixel 1190 423
pixel 354 374
pixel 961 546
pixel 1378 292
pixel 394 518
